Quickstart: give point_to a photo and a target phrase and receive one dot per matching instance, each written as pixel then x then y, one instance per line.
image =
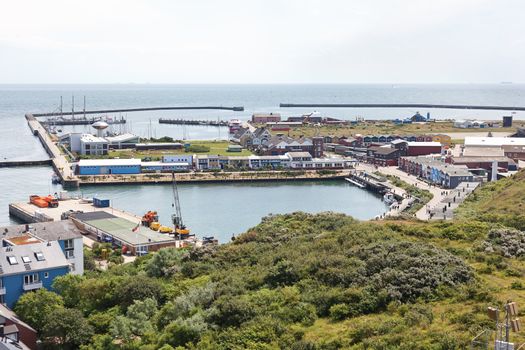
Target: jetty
pixel 193 122
pixel 81 121
pixel 140 109
pixel 368 181
pixel 58 160
pixel 19 163
pixel 399 105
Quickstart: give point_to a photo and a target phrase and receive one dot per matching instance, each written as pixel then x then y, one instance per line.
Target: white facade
pixel 77 260
pixel 93 145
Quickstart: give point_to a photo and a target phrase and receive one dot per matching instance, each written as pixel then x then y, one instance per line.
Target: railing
pixel 2 290
pixel 32 286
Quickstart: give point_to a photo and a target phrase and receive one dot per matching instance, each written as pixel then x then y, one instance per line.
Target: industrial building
pixel 262 118
pixel 127 140
pixel 109 166
pixel 130 236
pixel 93 145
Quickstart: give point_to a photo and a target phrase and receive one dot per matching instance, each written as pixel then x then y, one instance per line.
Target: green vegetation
pixel 295 281
pixel 387 127
pixel 422 196
pixel 498 202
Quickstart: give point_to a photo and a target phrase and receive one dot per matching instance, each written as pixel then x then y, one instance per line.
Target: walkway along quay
pixel 140 109
pixel 58 160
pixel 193 122
pixel 213 177
pixel 398 105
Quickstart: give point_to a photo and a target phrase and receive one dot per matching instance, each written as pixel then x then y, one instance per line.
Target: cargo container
pixel 100 203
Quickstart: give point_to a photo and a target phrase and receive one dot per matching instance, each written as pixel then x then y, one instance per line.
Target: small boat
pixel 389 198
pixel 86 200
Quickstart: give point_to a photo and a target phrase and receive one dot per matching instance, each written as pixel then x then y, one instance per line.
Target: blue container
pixel 101 203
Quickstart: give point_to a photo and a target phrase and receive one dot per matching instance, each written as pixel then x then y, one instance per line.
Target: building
pixel 514 152
pixel 507 121
pixel 423 148
pixel 234 148
pixel 93 145
pixel 68 236
pixel 386 156
pixel 109 166
pixel 17 331
pixel 436 171
pixel 29 266
pixel 127 140
pixel 499 142
pixel 165 167
pixel 178 158
pixel 133 239
pixel 281 144
pixel 262 118
pixel 485 163
pixel 469 123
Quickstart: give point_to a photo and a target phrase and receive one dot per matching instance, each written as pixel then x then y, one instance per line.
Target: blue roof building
pixel 28 267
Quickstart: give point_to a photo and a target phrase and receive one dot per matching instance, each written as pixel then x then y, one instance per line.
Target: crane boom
pixel 177 216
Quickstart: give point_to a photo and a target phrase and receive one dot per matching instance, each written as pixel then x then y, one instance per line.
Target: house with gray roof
pixel 27 267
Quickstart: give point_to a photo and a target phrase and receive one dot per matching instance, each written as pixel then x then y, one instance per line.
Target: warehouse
pixel 108 166
pixel 423 148
pixel 130 236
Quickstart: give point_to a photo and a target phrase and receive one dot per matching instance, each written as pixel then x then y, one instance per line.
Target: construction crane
pixel 180 229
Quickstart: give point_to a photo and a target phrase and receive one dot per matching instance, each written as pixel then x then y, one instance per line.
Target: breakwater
pixel 140 109
pixel 193 122
pixel 399 105
pixel 17 163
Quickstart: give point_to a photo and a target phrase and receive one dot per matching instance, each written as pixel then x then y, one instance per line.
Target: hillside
pixel 296 281
pixel 498 202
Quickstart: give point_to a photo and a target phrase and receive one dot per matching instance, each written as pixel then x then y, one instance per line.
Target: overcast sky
pixel 262 41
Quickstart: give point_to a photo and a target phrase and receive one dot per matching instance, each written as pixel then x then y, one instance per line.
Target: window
pixel 71 267
pixel 46 274
pixel 68 244
pixel 31 279
pixel 70 254
pixel 39 256
pixel 26 259
pixel 12 260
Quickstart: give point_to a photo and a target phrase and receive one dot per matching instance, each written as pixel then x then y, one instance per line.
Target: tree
pixel 66 329
pixel 34 307
pixel 67 287
pixel 165 262
pixel 138 288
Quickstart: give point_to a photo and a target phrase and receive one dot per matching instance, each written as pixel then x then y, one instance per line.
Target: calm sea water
pixel 220 209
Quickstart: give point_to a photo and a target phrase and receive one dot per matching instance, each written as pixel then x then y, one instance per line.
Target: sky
pixel 262 41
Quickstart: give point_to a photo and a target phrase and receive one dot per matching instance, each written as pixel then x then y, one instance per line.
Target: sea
pixel 220 210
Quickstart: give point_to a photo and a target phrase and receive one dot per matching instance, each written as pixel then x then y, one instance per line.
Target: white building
pixel 469 123
pixel 93 145
pixel 127 140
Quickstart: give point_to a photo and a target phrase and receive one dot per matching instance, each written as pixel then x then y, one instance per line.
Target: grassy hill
pixel 498 202
pixel 296 281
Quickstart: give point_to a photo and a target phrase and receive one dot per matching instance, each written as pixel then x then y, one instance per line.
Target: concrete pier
pixel 58 160
pixel 18 163
pixel 29 213
pixel 144 109
pixel 398 105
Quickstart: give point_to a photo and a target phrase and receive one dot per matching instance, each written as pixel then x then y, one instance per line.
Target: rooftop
pixel 31 257
pixel 45 231
pixel 121 229
pixel 494 141
pixel 108 162
pixel 299 154
pixel 92 138
pixel 424 144
pixel 122 138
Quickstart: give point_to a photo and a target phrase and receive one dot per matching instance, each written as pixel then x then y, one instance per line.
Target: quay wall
pixel 17 163
pixel 25 216
pixel 207 178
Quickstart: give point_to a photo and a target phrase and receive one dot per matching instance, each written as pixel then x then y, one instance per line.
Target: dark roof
pixel 96 215
pixel 385 150
pixel 46 231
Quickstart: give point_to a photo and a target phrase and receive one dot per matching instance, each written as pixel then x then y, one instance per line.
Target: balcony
pixel 32 286
pixel 2 290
